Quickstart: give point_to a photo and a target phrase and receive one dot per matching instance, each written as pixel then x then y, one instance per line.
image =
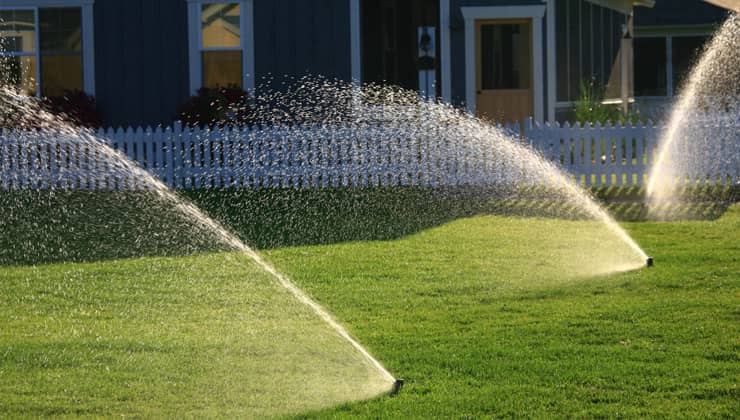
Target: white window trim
pixel 88 35
pixel 444 32
pixel 195 62
pixel 471 14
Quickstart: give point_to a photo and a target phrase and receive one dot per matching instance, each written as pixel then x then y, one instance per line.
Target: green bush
pixel 590 107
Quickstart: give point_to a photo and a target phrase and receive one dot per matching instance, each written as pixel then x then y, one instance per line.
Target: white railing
pixel 333 156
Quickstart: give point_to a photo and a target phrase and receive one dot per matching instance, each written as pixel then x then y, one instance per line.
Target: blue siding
pixel 141 60
pixel 299 37
pixel 141 51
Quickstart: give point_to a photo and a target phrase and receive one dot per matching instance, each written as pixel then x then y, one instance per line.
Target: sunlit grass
pixel 482 319
pixel 167 337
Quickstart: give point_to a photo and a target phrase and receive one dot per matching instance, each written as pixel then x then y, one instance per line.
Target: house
pixel 141 59
pixel 668 40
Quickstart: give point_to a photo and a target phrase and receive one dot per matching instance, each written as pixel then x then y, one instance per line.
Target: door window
pixel 505 56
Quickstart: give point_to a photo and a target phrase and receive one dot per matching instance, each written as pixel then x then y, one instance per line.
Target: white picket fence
pixel 333 156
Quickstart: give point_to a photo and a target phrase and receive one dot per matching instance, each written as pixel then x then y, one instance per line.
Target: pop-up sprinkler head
pixel 649 261
pixel 396 387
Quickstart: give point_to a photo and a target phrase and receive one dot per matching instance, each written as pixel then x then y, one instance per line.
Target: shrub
pixel 590 107
pixel 75 107
pixel 216 107
pixel 18 111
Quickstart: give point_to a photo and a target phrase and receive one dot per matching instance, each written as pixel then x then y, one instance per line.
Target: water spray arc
pixel 705 116
pixel 345 114
pixel 116 162
pixel 198 217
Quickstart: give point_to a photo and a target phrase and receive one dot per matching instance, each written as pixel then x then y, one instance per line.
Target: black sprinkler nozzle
pixel 396 387
pixel 650 261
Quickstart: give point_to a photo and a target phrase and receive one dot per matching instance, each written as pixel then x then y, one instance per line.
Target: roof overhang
pixel 623 6
pixel 727 4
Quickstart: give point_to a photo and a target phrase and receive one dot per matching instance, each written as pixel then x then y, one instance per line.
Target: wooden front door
pixel 504 69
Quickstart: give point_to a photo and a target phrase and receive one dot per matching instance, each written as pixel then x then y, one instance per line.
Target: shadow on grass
pixel 42 226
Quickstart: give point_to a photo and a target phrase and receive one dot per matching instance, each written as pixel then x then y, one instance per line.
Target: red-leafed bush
pixel 220 106
pixel 75 107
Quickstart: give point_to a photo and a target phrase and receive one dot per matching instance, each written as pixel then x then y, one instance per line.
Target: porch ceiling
pixel 625 6
pixel 727 4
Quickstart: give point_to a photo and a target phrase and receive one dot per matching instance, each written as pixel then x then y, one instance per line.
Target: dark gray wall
pixel 141 60
pixel 301 37
pixel 141 51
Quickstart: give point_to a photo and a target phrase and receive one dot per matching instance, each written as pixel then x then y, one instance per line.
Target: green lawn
pixel 480 322
pixel 481 314
pixel 167 337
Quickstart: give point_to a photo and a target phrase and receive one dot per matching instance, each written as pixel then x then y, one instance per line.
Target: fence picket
pixel 368 154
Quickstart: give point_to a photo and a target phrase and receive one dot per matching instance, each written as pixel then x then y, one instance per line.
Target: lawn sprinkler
pixel 396 387
pixel 649 261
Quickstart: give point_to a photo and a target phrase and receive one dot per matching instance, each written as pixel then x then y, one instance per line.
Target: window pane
pixel 222 68
pixel 19 71
pixel 505 56
pixel 686 51
pixel 60 73
pixel 650 66
pixel 17 31
pixel 60 29
pixel 220 25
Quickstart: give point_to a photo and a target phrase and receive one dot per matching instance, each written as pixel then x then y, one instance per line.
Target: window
pixel 41 49
pixel 399 44
pixel 221 44
pixel 650 67
pixel 663 62
pixel 18 53
pixel 685 52
pixel 505 56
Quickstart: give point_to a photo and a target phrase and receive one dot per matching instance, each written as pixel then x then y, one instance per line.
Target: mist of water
pixel 509 168
pixel 344 112
pixel 203 233
pixel 702 139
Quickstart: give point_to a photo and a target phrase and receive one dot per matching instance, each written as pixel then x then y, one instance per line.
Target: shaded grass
pixel 57 226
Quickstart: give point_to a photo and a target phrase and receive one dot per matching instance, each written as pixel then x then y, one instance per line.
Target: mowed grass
pixel 206 336
pixel 482 318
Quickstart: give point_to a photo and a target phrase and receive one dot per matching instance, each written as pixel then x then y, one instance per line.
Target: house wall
pixel 141 49
pixel 300 37
pixel 141 60
pixel 141 52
